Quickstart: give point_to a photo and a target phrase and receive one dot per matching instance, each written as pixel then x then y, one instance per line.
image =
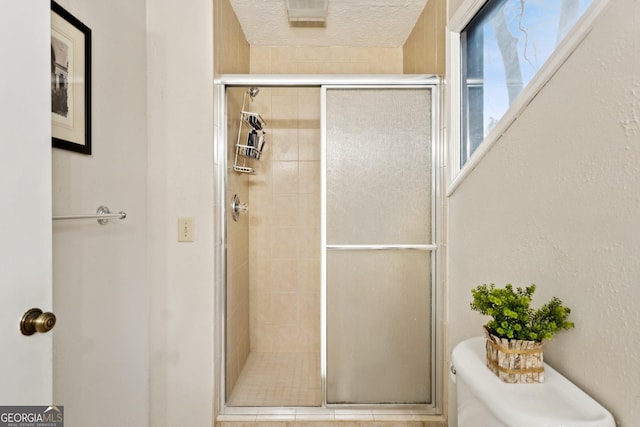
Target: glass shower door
pixel 378 245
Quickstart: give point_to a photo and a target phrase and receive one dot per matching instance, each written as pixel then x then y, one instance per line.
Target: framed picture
pixel 70 81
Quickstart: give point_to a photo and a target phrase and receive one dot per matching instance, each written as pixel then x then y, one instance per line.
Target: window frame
pixel 467 10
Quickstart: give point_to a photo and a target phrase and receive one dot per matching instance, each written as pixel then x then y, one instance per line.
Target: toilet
pixel 485 401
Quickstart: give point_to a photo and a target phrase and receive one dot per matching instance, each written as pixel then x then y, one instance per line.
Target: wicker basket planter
pixel 515 361
pixel 513 322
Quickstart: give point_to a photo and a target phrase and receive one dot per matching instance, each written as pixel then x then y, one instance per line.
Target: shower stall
pixel 329 270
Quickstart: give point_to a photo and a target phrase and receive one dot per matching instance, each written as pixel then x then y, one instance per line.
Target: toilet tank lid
pixel 555 403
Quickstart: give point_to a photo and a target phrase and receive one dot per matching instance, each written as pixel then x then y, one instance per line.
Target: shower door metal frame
pixel 221 211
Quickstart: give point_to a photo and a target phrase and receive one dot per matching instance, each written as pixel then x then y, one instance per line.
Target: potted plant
pixel 516 331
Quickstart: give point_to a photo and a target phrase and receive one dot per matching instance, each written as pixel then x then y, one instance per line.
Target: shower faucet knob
pixel 237 208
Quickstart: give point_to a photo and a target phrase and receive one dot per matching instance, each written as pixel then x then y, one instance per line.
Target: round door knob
pixel 35 320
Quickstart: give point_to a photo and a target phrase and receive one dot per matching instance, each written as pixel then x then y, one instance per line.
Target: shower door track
pixel 327 411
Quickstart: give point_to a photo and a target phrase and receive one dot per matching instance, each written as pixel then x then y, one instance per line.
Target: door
pixel 25 195
pixel 379 245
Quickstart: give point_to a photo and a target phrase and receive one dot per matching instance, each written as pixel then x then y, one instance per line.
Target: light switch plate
pixel 185 229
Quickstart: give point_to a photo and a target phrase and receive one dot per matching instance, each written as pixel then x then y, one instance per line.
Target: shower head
pixel 253 92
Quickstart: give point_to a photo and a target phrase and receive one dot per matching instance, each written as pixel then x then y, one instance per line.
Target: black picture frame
pixel 70 82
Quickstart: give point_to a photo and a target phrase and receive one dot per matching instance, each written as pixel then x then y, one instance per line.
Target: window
pixel 502 48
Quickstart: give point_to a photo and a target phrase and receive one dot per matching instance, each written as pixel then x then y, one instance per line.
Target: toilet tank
pixel 485 401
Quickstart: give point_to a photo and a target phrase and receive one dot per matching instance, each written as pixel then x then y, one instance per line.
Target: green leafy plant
pixel 513 317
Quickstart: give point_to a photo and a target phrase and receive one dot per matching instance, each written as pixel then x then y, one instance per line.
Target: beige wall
pixel 237 286
pixel 285 224
pixel 231 56
pixel 231 50
pixel 555 202
pixel 424 50
pixel 100 285
pixel 325 60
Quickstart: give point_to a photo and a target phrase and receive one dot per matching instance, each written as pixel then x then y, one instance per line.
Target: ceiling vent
pixel 307 10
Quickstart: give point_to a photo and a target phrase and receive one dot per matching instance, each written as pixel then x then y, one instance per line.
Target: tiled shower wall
pixel 424 50
pixel 274 250
pixel 231 55
pixel 237 335
pixel 285 194
pixel 285 224
pixel 231 49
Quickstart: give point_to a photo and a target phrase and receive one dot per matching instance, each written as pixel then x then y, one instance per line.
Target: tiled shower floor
pixel 278 379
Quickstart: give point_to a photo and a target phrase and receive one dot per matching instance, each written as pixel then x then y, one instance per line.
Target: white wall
pixel 556 202
pixel 100 275
pixel 181 172
pixel 135 307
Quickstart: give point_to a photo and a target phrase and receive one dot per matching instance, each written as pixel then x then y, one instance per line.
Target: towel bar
pixel 103 215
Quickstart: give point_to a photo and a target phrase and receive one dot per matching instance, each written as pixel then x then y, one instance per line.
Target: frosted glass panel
pixel 378 327
pixel 378 166
pixel 378 192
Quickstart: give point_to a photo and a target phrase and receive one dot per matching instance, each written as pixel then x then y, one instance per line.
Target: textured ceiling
pixel 381 23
